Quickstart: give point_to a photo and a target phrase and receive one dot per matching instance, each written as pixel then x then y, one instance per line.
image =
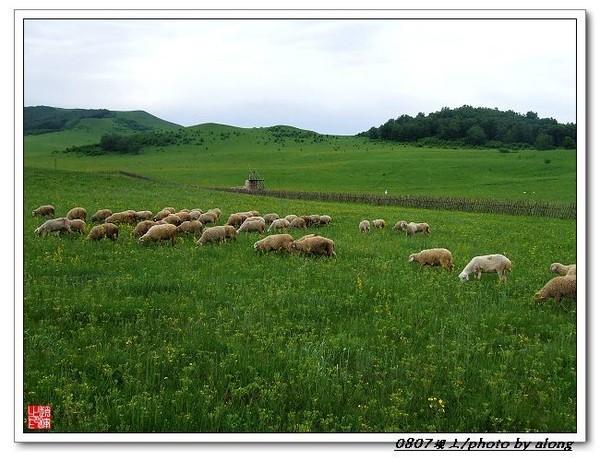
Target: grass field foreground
pixel 121 337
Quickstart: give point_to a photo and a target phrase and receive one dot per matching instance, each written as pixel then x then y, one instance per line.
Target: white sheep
pixel 252 225
pixel 101 215
pixel 434 257
pixel 324 220
pixel 561 269
pixel 557 288
pixel 412 228
pixel 160 232
pixel 44 210
pixel 487 263
pixel 60 225
pixel 275 243
pixel 398 225
pixel 279 223
pixel 364 226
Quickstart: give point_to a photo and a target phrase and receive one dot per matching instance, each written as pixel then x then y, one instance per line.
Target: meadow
pixel 120 337
pixel 287 158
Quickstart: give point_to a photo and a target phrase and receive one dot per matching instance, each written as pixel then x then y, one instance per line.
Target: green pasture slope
pixel 120 337
pixel 292 159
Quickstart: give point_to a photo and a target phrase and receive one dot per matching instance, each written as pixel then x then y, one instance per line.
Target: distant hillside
pixel 45 119
pixel 467 126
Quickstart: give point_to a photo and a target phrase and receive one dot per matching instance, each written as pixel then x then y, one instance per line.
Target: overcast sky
pixel 330 76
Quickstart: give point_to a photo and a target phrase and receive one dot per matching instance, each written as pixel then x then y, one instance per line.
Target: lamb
pixel 60 225
pixel 557 288
pixel 217 234
pixel 122 217
pixel 44 210
pixel 77 225
pixel 434 257
pixel 278 224
pixel 101 215
pixel 412 228
pixel 487 263
pixel 275 243
pixel 378 223
pixel 315 245
pixel 108 230
pixel 252 225
pixel 160 232
pixel 77 213
pixel 561 269
pixel 142 227
pixel 364 226
pixel 191 227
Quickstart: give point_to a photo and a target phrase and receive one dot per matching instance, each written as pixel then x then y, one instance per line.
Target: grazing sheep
pixel 215 211
pixel 208 218
pixel 280 223
pixel 108 230
pixel 412 228
pixel 398 225
pixel 143 215
pixel 195 214
pixel 557 288
pixel 191 227
pixel 275 243
pixel 291 217
pixel 561 269
pixel 77 225
pixel 270 217
pixel 487 263
pixel 183 215
pixel 364 226
pixel 324 220
pixel 142 227
pixel 101 215
pixel 160 232
pixel 315 245
pixel 433 257
pixel 44 210
pixel 217 234
pixel 236 219
pixel 60 225
pixel 378 223
pixel 162 214
pixel 122 217
pixel 173 218
pixel 297 223
pixel 77 213
pixel 252 225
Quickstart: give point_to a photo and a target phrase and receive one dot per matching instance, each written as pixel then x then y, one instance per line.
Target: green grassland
pixel 120 337
pixel 292 159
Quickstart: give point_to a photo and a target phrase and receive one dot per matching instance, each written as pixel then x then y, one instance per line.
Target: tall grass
pixel 122 337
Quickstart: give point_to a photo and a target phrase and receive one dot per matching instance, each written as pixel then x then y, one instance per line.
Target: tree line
pixel 477 127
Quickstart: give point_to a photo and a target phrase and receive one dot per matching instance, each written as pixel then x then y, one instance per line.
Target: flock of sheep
pixel 168 224
pixel 564 285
